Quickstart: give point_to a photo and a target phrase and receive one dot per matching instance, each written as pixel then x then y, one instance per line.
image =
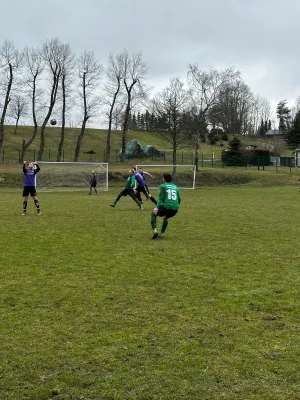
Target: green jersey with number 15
pixel 168 196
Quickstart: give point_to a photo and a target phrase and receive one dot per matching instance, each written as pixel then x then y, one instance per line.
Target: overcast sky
pixel 258 37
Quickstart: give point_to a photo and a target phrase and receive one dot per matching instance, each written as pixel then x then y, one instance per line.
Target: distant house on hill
pixel 273 132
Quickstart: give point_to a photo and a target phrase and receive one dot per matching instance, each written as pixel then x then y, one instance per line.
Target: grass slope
pixel 95 139
pixel 91 308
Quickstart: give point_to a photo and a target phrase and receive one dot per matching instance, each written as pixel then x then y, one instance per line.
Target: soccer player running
pixel 167 206
pixel 128 190
pixel 141 188
pixel 144 174
pixel 93 182
pixel 30 169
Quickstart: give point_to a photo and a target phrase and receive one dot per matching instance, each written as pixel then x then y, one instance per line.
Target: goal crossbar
pixel 181 173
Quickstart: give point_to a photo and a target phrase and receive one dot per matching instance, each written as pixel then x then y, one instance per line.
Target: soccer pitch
pixel 91 308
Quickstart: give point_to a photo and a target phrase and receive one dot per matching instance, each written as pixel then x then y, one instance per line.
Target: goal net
pixel 71 175
pixel 184 176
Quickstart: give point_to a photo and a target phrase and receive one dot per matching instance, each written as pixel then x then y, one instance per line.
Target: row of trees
pixel 39 83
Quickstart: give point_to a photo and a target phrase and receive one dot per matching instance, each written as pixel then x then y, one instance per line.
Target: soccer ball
pixel 53 122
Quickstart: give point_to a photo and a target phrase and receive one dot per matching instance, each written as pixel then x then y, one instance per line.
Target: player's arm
pixel 37 168
pixel 132 181
pixel 147 173
pixel 178 197
pixel 24 166
pixel 161 197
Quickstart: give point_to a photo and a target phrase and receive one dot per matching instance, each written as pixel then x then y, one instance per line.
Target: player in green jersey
pixel 167 205
pixel 128 190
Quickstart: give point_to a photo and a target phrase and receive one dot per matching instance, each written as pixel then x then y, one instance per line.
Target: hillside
pixel 210 174
pixel 95 140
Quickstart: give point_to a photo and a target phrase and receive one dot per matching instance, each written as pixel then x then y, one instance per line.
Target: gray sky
pixel 258 37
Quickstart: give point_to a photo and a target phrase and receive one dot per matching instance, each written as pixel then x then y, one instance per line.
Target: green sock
pixel 115 202
pixel 153 222
pixel 164 226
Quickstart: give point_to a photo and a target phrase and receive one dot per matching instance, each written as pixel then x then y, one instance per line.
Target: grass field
pixel 92 309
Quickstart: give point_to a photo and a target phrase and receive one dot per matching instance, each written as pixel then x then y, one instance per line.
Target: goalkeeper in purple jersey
pixel 141 188
pixel 167 205
pixel 30 170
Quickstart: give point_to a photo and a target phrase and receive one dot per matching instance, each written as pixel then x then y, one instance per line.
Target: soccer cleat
pixel 160 235
pixel 155 235
pixel 112 205
pixel 24 213
pixel 142 208
pixel 39 213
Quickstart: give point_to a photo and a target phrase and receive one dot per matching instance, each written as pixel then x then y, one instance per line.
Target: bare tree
pixel 114 76
pixel 205 87
pixel 135 74
pixel 89 73
pixel 66 83
pixel 233 107
pixel 34 66
pixel 10 61
pixel 169 106
pixel 18 108
pixel 53 53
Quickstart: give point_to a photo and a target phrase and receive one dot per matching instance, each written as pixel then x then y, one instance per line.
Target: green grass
pixel 91 308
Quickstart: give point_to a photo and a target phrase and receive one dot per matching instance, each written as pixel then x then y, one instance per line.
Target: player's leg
pixel 160 213
pixel 124 192
pixel 134 198
pixel 148 195
pixel 35 199
pixel 95 190
pixel 90 192
pixel 25 199
pixel 169 214
pixel 138 194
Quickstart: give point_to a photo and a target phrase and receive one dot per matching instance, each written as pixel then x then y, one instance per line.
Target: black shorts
pixel 143 189
pixel 168 212
pixel 29 190
pixel 126 192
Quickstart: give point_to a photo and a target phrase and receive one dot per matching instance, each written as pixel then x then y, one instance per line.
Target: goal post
pixel 71 175
pixel 184 176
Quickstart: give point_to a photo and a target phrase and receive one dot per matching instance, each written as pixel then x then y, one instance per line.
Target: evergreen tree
pixel 293 135
pixel 266 127
pixel 147 120
pixel 133 123
pixel 284 116
pixel 142 127
pixel 138 121
pixel 270 125
pixel 262 127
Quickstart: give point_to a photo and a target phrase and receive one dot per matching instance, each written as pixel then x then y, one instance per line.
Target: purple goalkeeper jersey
pixel 30 175
pixel 139 179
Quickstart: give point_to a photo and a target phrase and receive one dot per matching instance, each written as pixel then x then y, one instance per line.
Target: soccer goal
pixel 71 175
pixel 184 176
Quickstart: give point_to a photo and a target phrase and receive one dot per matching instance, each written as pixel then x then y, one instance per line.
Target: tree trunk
pixel 197 146
pixel 79 139
pixel 5 105
pixel 62 133
pixel 25 146
pixel 125 126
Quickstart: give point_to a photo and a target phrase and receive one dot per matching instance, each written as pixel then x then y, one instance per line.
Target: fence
pixel 183 157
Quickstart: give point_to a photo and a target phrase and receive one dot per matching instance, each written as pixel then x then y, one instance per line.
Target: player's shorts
pixel 29 190
pixel 168 212
pixel 126 192
pixel 142 189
